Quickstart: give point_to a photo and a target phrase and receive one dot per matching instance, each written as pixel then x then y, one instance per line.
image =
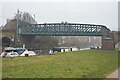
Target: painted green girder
pixel 63 29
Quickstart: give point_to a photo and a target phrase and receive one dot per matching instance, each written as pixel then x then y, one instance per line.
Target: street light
pixel 18 15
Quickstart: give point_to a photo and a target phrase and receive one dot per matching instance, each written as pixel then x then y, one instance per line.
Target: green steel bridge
pixel 63 29
pixel 28 32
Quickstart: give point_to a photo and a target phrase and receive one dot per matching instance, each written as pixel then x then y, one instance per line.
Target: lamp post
pixel 16 33
pixel 15 37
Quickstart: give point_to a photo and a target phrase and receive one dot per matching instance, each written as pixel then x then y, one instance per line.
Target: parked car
pixel 24 51
pixel 32 53
pixel 20 50
pixel 13 52
pixel 9 52
pixel 93 47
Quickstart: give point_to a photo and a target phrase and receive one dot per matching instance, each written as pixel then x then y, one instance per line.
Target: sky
pixel 72 11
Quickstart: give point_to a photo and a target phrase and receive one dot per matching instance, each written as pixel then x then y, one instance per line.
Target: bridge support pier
pixel 27 40
pixel 107 40
pixel 108 43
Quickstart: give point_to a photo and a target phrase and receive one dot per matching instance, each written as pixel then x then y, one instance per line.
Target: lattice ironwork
pixel 63 29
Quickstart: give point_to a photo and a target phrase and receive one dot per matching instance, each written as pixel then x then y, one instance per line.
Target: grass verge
pixel 77 64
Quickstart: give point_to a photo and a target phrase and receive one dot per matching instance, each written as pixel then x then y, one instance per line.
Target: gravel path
pixel 114 74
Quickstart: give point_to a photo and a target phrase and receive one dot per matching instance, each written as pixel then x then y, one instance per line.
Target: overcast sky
pixel 102 13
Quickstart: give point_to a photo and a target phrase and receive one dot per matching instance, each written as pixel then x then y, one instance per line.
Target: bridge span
pixel 63 29
pixel 67 29
pixel 26 33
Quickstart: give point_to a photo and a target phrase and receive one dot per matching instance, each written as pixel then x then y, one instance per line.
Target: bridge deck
pixel 63 29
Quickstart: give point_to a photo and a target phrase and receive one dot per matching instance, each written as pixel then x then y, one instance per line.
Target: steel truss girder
pixel 63 29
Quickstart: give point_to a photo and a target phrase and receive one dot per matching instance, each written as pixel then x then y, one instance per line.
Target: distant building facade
pixel 10 28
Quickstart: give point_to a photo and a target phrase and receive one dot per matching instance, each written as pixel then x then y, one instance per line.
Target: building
pixel 9 31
